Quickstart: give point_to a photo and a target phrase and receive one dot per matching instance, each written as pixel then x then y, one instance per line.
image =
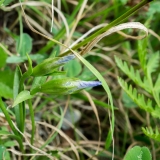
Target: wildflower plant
pixel 47 77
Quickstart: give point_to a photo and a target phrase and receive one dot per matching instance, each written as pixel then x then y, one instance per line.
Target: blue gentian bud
pixel 49 65
pixel 64 86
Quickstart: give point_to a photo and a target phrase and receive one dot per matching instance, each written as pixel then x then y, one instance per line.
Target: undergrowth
pixel 52 55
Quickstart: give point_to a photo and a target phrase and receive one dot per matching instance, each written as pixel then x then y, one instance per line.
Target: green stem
pixel 17 77
pixel 31 111
pixel 21 108
pixel 21 32
pixel 5 112
pixel 21 88
pixel 18 139
pixel 112 24
pixel 22 115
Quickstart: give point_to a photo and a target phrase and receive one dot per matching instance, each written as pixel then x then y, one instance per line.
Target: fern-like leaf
pixel 134 75
pixel 156 111
pixel 153 63
pixel 137 98
pixel 157 84
pixel 142 51
pixel 156 90
pixel 151 134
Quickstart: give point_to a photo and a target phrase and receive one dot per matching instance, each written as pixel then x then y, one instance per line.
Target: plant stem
pixel 22 110
pixel 5 112
pixel 16 134
pixel 31 111
pixel 17 77
pixel 18 139
pixel 112 24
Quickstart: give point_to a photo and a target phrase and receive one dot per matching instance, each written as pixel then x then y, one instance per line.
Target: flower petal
pixel 65 59
pixel 85 84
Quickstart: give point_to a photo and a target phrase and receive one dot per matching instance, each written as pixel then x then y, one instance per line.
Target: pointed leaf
pixel 22 96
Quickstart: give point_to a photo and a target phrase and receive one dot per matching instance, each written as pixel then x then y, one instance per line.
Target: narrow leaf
pixel 22 96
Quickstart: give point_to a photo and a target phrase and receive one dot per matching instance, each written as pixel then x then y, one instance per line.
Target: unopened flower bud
pixel 50 64
pixel 64 86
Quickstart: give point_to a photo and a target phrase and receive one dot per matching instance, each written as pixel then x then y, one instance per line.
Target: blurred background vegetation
pixel 17 39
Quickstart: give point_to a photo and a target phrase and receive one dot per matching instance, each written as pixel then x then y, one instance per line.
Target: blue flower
pixel 79 85
pixel 65 59
pixel 83 84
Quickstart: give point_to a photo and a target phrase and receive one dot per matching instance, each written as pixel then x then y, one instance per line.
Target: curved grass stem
pixel 112 24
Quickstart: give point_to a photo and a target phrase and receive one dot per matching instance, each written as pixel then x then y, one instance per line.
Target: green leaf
pixel 38 81
pixel 153 63
pixel 142 51
pixel 108 139
pixel 157 84
pixel 5 2
pixel 137 98
pixel 4 132
pixel 22 96
pixel 73 68
pixel 1 2
pixel 5 91
pixel 24 44
pixel 10 143
pixel 28 72
pixel 155 112
pixel 4 154
pixel 134 75
pixel 106 88
pixel 38 57
pixel 123 1
pixel 15 59
pixel 151 134
pixel 6 77
pixel 87 75
pixel 3 58
pixel 154 8
pixel 128 102
pixel 138 153
pixel 17 77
